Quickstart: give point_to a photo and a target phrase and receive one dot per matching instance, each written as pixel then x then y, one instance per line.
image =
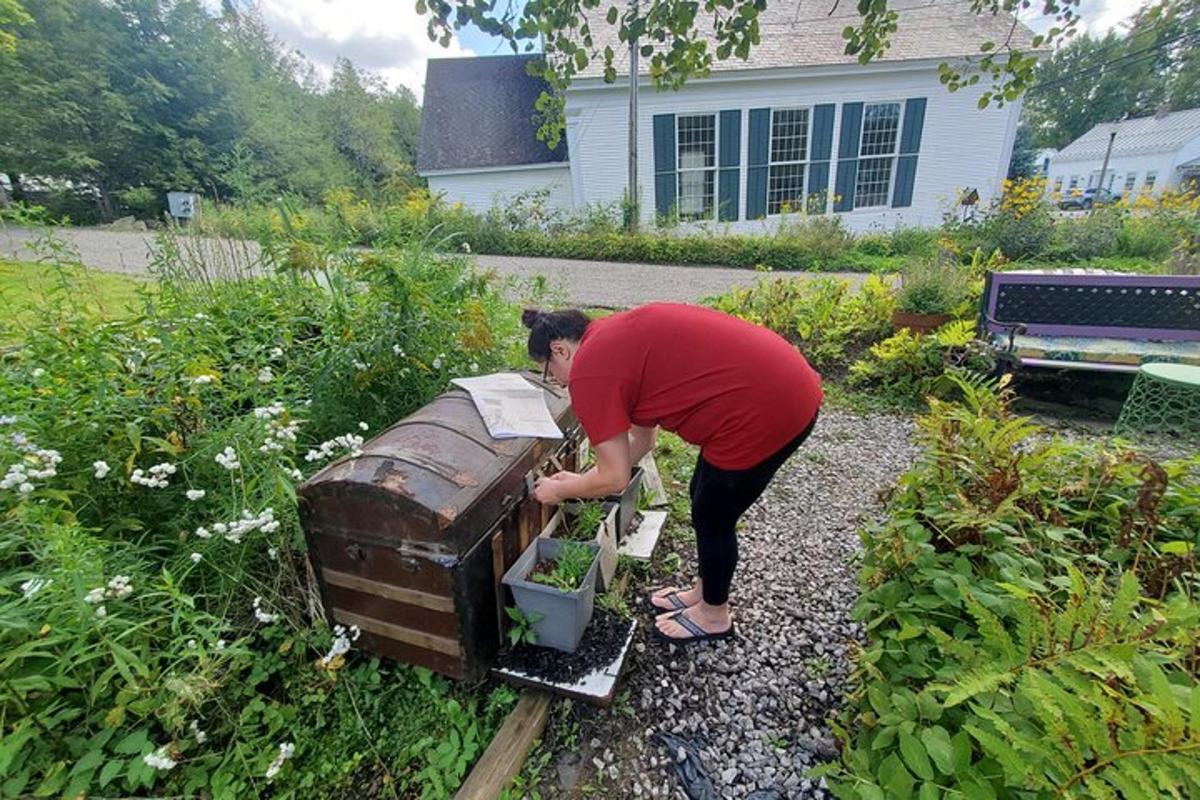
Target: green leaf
pixel 110 771
pixel 914 756
pixel 135 742
pixel 895 779
pixel 940 749
pixel 612 15
pixel 1177 548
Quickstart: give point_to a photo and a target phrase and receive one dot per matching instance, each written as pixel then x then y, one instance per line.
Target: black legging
pixel 719 498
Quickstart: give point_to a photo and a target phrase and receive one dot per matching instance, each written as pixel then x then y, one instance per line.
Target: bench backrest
pixel 1110 305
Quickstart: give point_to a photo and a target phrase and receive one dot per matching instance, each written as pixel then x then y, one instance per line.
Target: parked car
pixel 1087 198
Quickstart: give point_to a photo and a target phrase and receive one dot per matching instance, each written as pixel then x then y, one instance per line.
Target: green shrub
pixel 1092 235
pixel 826 318
pixel 933 286
pixel 161 634
pixel 1030 616
pixel 903 368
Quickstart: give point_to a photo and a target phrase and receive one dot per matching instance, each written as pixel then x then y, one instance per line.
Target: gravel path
pixel 586 283
pixel 756 707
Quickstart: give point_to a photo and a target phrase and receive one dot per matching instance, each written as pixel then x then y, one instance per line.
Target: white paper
pixel 511 406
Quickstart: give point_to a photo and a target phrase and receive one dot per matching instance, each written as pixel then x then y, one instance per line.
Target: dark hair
pixel 546 326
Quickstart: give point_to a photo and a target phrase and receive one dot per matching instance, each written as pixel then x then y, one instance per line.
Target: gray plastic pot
pixel 563 615
pixel 627 502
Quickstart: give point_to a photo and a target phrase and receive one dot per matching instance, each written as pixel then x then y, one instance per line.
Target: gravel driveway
pixel 754 708
pixel 586 283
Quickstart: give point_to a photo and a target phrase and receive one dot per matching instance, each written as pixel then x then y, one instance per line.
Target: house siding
pixel 1164 164
pixel 961 145
pixel 479 191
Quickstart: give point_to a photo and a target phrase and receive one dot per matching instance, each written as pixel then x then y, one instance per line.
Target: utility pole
pixel 632 208
pixel 1104 168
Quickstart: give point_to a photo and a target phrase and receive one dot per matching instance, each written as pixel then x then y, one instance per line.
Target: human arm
pixel 610 475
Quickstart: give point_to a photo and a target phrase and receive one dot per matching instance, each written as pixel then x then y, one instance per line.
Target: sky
pixel 388 37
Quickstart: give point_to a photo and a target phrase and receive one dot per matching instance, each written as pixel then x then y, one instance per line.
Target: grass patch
pixel 28 290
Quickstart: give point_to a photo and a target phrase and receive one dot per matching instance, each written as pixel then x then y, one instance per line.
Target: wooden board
pixel 598 687
pixel 652 480
pixel 505 756
pixel 641 543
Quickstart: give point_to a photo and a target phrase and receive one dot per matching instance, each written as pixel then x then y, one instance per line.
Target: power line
pixel 1136 56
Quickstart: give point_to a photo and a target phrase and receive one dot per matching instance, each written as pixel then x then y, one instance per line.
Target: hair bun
pixel 530 317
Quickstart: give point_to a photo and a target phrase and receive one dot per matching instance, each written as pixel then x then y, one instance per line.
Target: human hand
pixel 546 491
pixel 563 475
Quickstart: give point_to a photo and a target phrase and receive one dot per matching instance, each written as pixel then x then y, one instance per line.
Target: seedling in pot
pixel 522 630
pixel 566 573
pixel 582 522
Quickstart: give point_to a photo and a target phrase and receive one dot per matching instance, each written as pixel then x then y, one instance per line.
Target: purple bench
pixel 1091 320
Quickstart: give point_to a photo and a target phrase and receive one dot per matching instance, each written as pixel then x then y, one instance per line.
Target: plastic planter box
pixel 626 502
pixel 606 539
pixel 563 615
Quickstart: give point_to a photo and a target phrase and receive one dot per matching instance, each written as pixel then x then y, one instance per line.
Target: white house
pixel 800 124
pixel 1149 154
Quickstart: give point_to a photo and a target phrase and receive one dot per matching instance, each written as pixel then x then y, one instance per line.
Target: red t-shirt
pixel 738 390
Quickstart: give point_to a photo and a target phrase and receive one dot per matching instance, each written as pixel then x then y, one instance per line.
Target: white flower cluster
pixel 228 459
pixel 351 441
pixel 201 736
pixel 437 362
pixel 195 557
pixel 37 464
pixel 195 494
pixel 265 375
pixel 276 352
pixel 279 435
pixel 160 760
pixel 34 585
pixel 7 420
pixel 262 616
pixel 118 588
pixel 202 380
pixel 158 477
pixel 234 531
pixel 285 752
pixel 341 642
pixel 102 469
pixel 296 474
pixel 361 366
pixel 362 426
pixel 397 350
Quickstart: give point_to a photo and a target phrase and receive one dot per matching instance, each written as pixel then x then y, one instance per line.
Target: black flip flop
pixel 672 598
pixel 698 633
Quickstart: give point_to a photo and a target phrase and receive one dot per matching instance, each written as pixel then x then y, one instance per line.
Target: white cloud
pixel 1097 17
pixel 386 37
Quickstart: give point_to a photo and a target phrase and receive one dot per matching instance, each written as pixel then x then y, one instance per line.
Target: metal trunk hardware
pixel 410 539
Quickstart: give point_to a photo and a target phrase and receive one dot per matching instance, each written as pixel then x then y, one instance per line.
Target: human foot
pixel 699 623
pixel 672 598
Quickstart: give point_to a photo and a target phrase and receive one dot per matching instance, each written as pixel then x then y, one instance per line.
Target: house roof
pixel 1154 134
pixel 805 33
pixel 478 112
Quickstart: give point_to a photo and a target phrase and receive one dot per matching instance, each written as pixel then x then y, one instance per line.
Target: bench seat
pixel 1096 353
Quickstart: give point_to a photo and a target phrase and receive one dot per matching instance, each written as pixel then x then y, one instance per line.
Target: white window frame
pixel 805 162
pixel 1074 183
pixel 894 156
pixel 1130 182
pixel 1149 181
pixel 714 169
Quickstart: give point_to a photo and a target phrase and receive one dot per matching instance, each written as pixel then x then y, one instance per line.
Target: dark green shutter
pixel 730 165
pixel 847 168
pixel 664 164
pixel 822 151
pixel 910 145
pixel 756 162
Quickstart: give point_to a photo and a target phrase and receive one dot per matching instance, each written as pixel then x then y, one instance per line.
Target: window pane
pixel 785 188
pixel 881 125
pixel 874 180
pixel 697 141
pixel 696 194
pixel 789 135
pixel 1130 181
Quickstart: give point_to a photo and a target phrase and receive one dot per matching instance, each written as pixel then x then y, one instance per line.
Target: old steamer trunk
pixel 410 539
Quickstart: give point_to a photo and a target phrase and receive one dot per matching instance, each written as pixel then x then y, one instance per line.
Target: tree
pixel 12 16
pixel 1023 163
pixel 1093 80
pixel 679 47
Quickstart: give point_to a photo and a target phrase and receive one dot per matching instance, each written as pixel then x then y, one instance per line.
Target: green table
pixel 1165 399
